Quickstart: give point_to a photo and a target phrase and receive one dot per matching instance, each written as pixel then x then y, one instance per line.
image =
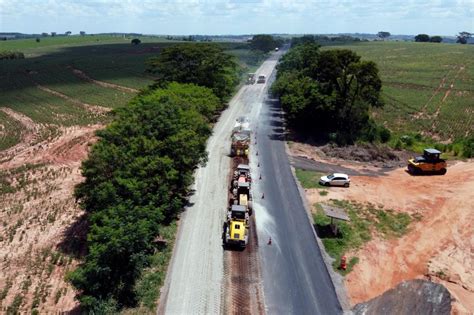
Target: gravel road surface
pixel 194 283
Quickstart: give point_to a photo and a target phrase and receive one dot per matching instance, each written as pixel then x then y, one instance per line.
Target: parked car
pixel 336 179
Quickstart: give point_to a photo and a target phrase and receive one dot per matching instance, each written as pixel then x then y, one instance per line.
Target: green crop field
pixel 51 63
pixel 428 88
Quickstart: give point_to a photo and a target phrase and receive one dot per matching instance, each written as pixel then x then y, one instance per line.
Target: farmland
pixel 427 87
pixel 51 104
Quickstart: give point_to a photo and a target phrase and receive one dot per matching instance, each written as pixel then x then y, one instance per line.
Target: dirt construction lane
pixel 195 281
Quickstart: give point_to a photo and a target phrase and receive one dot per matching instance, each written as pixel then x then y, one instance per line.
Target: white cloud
pixel 236 16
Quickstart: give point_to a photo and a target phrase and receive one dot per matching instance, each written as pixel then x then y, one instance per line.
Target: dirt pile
pixel 367 154
pixel 409 297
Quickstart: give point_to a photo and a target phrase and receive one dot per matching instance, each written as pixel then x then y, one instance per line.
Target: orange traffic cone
pixel 263 195
pixel 270 241
pixel 256 153
pixel 258 164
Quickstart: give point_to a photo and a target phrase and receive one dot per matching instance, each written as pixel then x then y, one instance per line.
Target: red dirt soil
pixel 439 246
pixel 35 217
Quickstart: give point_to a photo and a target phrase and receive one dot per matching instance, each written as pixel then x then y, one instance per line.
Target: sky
pixel 222 17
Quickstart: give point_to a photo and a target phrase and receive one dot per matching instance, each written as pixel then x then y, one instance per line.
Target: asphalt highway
pixel 295 277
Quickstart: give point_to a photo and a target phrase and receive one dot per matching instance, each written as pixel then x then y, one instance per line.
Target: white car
pixel 336 179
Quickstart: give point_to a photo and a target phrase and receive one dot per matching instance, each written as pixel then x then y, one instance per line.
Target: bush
pixel 6 54
pixel 468 148
pixel 407 140
pixel 384 134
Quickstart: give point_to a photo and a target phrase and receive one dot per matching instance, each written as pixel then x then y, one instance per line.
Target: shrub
pixel 6 54
pixel 384 134
pixel 407 140
pixel 468 148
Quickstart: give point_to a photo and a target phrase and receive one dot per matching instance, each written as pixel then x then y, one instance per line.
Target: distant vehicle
pixel 336 179
pixel 250 78
pixel 277 49
pixel 429 163
pixel 261 79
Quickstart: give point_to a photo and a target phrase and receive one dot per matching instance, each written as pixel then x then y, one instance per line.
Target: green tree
pixel 137 178
pixel 303 58
pixel 305 39
pixel 463 37
pixel 383 34
pixel 329 91
pixel 422 38
pixel 199 63
pixel 263 43
pixel 436 39
pixel 136 41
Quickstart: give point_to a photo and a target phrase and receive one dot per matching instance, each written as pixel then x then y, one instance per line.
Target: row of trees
pixel 329 93
pixel 265 43
pixel 138 174
pixel 427 38
pixel 204 64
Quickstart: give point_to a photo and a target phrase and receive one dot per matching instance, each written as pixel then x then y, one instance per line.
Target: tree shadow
pixel 74 239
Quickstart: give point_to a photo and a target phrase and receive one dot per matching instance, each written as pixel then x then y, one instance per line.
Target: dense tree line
pixel 199 63
pixel 329 93
pixel 426 38
pixel 265 43
pixel 138 174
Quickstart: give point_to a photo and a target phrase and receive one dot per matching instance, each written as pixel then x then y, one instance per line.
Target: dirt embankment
pixel 438 246
pixel 37 210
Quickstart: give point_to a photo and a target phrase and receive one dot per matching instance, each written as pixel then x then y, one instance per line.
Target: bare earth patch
pixel 37 209
pixel 438 246
pixel 83 76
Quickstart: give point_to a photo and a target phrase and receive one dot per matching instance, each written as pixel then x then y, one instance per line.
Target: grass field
pixel 428 88
pixel 51 62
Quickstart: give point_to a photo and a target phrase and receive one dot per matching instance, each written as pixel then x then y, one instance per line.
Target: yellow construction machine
pixel 429 163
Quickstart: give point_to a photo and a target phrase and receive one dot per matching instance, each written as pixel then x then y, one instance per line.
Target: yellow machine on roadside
pixel 429 163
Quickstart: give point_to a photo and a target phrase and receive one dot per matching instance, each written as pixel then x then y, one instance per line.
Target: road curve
pixel 194 283
pixel 295 277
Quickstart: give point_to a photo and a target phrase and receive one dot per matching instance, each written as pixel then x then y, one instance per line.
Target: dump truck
pixel 240 144
pixel 241 183
pixel 429 163
pixel 236 228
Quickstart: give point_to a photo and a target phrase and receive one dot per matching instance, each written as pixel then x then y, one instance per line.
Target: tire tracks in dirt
pixel 28 135
pixel 96 109
pixel 80 74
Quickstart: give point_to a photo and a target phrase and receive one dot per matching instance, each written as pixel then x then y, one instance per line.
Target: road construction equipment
pixel 429 163
pixel 236 228
pixel 241 183
pixel 261 79
pixel 240 143
pixel 242 124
